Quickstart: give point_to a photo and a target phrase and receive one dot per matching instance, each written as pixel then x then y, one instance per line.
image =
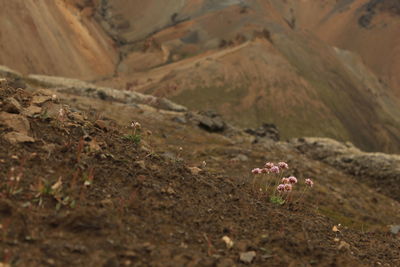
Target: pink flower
pixel 269 165
pixel 292 180
pixel 283 165
pixel 256 171
pixel 285 180
pixel 264 170
pixel 309 182
pixel 288 187
pixel 274 169
pixel 281 188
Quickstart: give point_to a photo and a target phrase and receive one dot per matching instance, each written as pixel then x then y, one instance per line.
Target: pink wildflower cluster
pixel 286 184
pixel 256 171
pixel 271 171
pixel 270 167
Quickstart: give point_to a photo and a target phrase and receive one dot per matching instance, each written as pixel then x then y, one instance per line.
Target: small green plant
pixel 46 189
pixel 278 200
pixel 133 138
pixel 44 115
pixel 43 189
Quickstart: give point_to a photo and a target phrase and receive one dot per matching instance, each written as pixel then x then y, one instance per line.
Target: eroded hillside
pixel 311 68
pixel 248 61
pixel 78 190
pixel 367 27
pixel 54 38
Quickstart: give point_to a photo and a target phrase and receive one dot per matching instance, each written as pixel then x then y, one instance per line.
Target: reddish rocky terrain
pixel 54 38
pixel 313 69
pixel 77 189
pixel 129 131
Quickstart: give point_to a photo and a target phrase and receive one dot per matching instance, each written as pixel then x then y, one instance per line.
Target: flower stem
pixel 302 194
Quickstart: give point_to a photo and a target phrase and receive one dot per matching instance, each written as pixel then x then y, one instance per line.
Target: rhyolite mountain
pixel 313 68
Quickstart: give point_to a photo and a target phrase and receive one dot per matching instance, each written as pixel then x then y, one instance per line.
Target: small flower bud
pixel 203 164
pixel 288 187
pixel 269 165
pixel 135 125
pixel 285 180
pixel 256 171
pixel 292 180
pixel 281 188
pixel 309 182
pixel 274 169
pixel 283 165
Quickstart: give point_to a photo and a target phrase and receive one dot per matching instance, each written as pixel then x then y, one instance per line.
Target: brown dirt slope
pixel 77 191
pixel 54 38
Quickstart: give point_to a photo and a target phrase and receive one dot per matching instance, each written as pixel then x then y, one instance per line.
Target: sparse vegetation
pixel 81 181
pixel 135 136
pixel 45 189
pixel 277 200
pixel 273 175
pixel 83 185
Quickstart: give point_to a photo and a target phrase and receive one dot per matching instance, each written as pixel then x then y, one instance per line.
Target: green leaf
pixel 277 200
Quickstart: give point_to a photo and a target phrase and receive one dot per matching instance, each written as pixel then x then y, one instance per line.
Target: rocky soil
pixel 379 170
pixel 77 190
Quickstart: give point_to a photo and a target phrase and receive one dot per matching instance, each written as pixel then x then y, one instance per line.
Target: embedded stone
pixel 16 138
pixel 15 122
pixel 11 105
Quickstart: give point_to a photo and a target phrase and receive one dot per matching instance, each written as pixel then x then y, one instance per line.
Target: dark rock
pixel 6 207
pixel 11 105
pixel 375 7
pixel 211 121
pixel 181 120
pixel 267 130
pixel 365 20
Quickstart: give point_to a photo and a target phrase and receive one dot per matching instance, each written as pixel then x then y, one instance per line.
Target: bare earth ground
pixel 142 205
